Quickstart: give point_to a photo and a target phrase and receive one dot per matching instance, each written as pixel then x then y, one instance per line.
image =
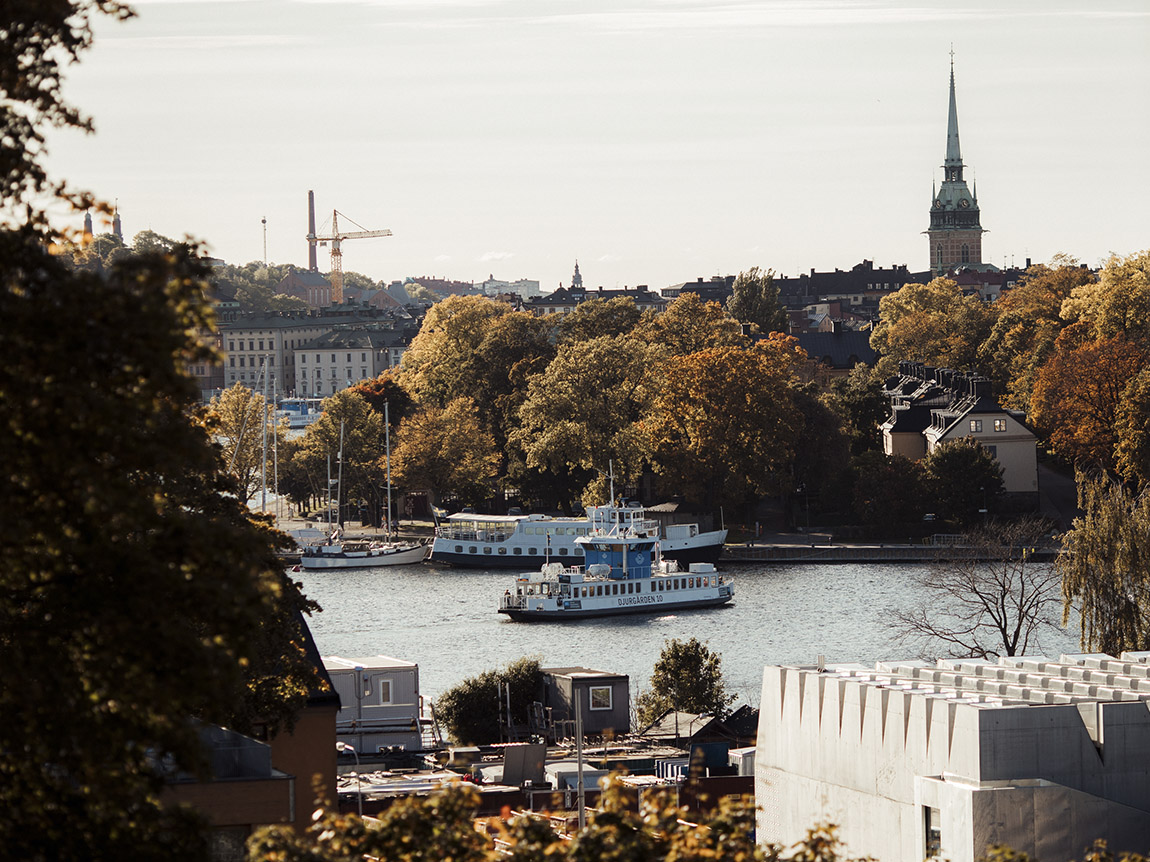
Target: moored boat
pixel 362 555
pixel 523 542
pixel 623 574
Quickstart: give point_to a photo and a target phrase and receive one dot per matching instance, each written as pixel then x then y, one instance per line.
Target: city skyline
pixel 655 143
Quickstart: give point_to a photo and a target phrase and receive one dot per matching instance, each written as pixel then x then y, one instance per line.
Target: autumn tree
pixel 1132 430
pixel 583 412
pixel 1028 319
pixel 597 317
pixel 385 389
pixel 441 363
pixel 989 598
pixel 346 444
pixel 963 480
pixel 755 300
pixel 473 710
pixel 1105 566
pixel 689 325
pixel 932 323
pixel 688 677
pixel 514 348
pixel 1117 305
pixel 1079 391
pixel 723 423
pixel 446 450
pixel 237 418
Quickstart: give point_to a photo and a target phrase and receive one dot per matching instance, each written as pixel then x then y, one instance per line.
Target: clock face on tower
pixel 938 203
pixel 964 203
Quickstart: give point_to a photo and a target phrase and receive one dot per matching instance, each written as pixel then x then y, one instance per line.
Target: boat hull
pixel 400 557
pixel 521 615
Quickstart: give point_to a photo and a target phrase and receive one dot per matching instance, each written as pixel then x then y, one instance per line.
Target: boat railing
pixel 512 601
pixel 462 534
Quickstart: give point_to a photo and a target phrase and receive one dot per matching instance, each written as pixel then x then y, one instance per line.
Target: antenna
pixel 264 222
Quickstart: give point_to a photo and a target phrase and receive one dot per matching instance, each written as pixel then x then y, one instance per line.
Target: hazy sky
pixel 655 141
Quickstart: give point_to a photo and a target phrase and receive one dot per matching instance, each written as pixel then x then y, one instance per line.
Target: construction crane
pixel 336 238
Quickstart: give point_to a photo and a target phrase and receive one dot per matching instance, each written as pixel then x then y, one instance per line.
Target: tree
pixel 442 826
pixel 859 401
pixel 723 423
pixel 688 677
pixel 1105 566
pixel 821 465
pixel 1117 305
pixel 473 710
pixel 133 578
pixel 40 39
pixel 584 410
pixel 689 325
pixel 963 480
pixel 1027 322
pixel 1078 392
pixel 351 429
pixel 595 318
pixel 514 349
pixel 989 599
pixel 236 417
pixel 1132 429
pixel 889 490
pixel 447 451
pixel 755 300
pixel 441 364
pixel 385 389
pixel 932 323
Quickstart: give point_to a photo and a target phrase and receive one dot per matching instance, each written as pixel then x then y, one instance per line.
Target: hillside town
pixel 307 565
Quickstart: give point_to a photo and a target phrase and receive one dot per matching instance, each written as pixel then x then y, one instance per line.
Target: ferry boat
pixel 528 541
pixel 624 574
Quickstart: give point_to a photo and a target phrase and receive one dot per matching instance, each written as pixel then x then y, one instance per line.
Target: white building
pixel 914 760
pixel 380 702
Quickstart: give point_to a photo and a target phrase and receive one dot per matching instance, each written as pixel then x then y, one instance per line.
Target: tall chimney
pixel 311 264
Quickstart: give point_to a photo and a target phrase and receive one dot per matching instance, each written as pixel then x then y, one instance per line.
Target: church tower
pixel 955 234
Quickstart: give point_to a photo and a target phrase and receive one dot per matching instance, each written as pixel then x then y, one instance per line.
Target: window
pixel 384 690
pixel 517 550
pixel 600 697
pixel 999 424
pixel 532 552
pixel 303 358
pixel 932 822
pixel 459 549
pixel 975 425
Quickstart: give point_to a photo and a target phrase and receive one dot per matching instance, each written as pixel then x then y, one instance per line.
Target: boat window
pixel 563 552
pixel 614 589
pixel 630 588
pixel 504 550
pixel 579 550
pixel 582 531
pixel 599 591
pixel 471 550
pixel 459 549
pixel 638 588
pixel 515 550
pixel 487 550
pixel 676 583
pixel 532 551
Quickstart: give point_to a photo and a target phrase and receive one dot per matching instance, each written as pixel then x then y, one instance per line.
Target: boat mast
pixel 264 459
pixel 387 451
pixel 339 478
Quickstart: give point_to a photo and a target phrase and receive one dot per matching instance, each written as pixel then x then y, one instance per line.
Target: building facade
pixel 955 233
pixel 915 761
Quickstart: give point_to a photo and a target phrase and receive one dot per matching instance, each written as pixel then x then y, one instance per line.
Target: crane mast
pixel 336 239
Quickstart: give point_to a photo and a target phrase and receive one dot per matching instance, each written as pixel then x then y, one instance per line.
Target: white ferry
pixel 624 574
pixel 528 541
pixel 362 555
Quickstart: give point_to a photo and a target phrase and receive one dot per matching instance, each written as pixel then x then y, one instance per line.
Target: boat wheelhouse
pixel 624 574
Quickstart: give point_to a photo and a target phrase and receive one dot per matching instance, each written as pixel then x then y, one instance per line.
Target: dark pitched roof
pixel 843 349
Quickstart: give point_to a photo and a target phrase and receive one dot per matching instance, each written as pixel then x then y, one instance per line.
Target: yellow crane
pixel 336 238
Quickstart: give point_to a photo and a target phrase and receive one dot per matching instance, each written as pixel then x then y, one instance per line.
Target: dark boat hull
pixel 525 562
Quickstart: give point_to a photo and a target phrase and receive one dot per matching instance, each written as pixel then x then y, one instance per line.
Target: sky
pixel 652 141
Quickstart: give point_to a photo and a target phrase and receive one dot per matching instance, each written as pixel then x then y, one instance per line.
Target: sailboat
pixel 338 553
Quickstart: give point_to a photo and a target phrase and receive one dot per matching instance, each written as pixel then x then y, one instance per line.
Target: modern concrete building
pixel 915 760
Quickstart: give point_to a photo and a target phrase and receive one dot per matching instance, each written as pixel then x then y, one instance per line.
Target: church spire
pixel 953 151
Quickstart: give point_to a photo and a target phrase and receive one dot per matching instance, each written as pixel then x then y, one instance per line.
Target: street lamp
pixel 343 746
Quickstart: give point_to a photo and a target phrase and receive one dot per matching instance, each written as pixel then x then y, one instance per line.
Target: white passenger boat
pixel 624 574
pixel 362 555
pixel 528 541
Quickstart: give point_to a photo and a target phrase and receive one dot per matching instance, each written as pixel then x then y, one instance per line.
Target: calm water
pixel 444 620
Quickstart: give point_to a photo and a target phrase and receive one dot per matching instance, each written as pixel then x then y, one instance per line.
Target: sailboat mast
pixel 387 451
pixel 339 478
pixel 264 458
